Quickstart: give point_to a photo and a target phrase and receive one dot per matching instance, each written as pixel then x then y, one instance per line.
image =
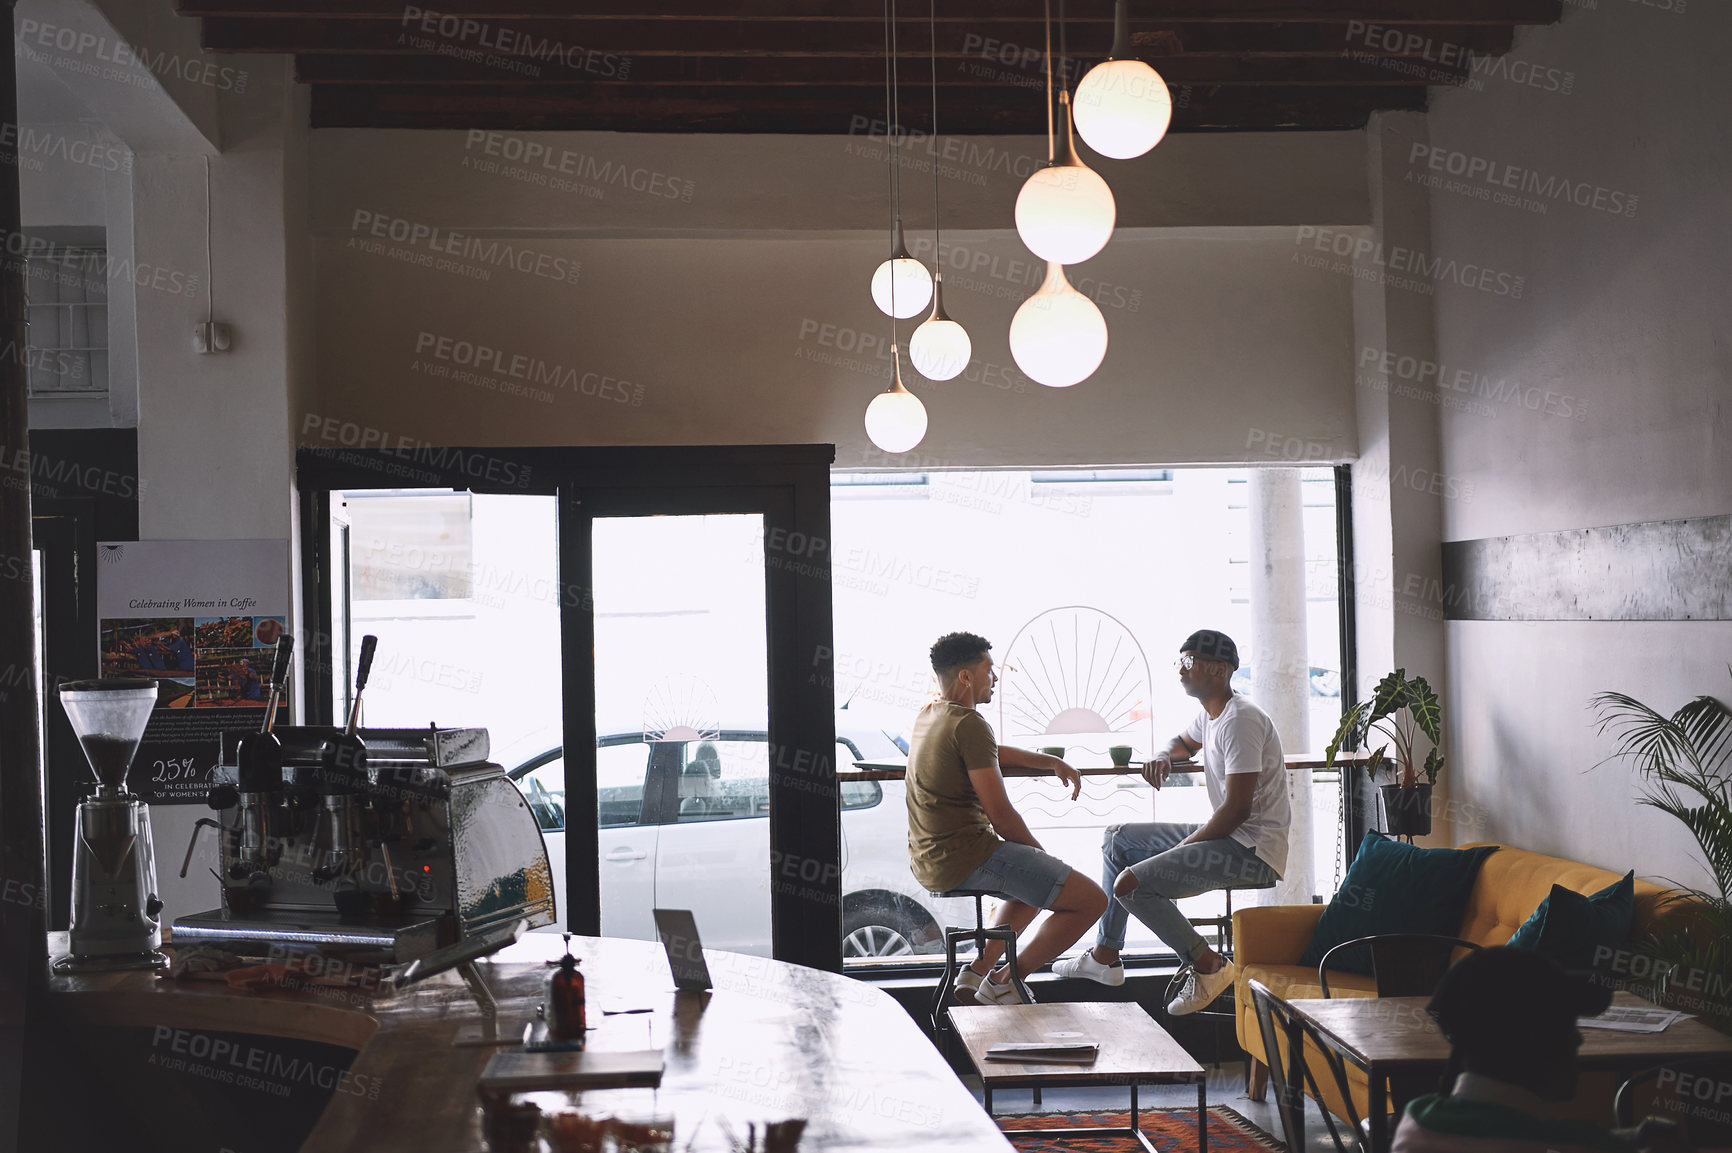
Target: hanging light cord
pixel 896 131
pixel 932 55
pixel 1047 58
pixel 889 169
pixel 890 153
pixel 1063 58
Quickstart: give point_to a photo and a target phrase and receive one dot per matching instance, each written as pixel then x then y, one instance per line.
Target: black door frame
pixel 84 488
pixel 67 542
pixel 790 486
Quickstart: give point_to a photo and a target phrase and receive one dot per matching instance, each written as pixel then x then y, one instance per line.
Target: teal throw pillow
pixel 1394 887
pixel 1568 926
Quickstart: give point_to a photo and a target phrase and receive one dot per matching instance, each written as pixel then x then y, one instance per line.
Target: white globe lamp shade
pixel 896 420
pixel 1058 337
pixel 940 348
pixel 1065 211
pixel 901 287
pixel 1123 108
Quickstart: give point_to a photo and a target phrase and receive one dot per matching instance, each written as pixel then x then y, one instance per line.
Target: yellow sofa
pixel 1511 884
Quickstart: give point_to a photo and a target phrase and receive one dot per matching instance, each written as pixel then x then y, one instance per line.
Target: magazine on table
pixel 1633 1019
pixel 1045 1052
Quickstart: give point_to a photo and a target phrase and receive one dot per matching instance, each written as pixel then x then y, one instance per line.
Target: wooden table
pixel 771 1041
pixel 1134 1051
pixel 1385 1035
pixel 885 771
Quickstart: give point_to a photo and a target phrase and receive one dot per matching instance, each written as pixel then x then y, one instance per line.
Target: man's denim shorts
pixel 1018 872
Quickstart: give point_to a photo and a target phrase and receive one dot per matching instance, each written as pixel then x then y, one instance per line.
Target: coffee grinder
pixel 114 901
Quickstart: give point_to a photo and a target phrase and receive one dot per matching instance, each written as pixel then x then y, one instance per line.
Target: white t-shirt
pixel 1243 740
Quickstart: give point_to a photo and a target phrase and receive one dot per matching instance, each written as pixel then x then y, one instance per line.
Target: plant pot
pixel 1407 812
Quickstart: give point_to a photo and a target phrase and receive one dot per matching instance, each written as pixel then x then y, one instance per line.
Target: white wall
pixel 214 431
pixel 776 340
pixel 738 303
pixel 1621 336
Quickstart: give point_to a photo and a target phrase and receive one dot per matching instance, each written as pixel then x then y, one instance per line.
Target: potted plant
pixel 1685 761
pixel 1402 710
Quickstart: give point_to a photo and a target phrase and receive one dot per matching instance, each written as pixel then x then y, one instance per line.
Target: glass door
pixel 648 627
pixel 682 722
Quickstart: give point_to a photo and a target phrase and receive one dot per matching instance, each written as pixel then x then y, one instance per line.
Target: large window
pixel 1085 582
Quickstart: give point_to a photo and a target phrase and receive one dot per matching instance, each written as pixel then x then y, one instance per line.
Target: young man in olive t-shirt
pixel 963 832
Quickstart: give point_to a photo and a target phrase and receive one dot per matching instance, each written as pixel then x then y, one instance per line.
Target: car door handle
pixel 624 854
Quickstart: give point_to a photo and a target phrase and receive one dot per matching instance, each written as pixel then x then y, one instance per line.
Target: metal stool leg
pixel 1227 929
pixel 948 984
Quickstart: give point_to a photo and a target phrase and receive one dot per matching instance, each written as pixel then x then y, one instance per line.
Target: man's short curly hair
pixel 953 651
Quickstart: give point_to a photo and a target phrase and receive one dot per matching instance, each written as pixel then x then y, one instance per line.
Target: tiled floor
pixel 1226 1087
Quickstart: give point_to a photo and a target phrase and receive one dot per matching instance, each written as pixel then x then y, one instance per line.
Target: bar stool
pixel 980 935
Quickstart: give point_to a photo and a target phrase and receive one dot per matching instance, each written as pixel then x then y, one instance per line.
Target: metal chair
pixel 1276 1022
pixel 1696 1113
pixel 1403 964
pixel 980 935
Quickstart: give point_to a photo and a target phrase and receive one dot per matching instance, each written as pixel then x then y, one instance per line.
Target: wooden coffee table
pixel 1134 1051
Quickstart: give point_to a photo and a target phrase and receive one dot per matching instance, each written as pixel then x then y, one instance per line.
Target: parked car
pixel 684 824
pixel 1324 682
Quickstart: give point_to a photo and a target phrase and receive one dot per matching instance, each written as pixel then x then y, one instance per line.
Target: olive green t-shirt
pixel 948 834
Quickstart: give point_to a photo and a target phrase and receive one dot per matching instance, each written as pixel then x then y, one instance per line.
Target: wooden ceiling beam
pixel 872 11
pixel 863 72
pixel 553 107
pixel 996 41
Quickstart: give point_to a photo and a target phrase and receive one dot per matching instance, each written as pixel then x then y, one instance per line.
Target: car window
pixel 855 794
pixel 619 779
pixel 544 788
pixel 723 780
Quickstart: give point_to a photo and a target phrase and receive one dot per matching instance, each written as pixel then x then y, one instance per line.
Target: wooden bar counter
pixel 772 1041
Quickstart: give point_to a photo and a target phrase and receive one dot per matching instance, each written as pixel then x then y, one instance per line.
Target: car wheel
pixel 876 931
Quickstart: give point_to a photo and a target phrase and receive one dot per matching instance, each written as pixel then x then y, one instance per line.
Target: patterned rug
pixel 1172 1130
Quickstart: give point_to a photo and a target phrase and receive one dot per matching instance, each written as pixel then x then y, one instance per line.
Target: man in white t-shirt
pixel 1242 845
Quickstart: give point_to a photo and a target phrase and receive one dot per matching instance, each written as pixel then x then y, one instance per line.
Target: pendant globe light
pixel 940 347
pixel 1065 211
pixel 1122 105
pixel 896 420
pixel 901 282
pixel 1058 336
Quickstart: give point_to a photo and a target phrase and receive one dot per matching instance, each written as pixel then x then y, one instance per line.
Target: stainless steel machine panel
pixel 502 872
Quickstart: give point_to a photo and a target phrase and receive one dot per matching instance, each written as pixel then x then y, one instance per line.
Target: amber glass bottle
pixel 565 1012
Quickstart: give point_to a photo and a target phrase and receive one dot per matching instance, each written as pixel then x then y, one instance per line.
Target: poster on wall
pixel 202 618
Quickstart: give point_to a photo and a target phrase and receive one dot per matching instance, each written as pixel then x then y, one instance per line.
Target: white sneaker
pixel 966 991
pixel 1201 989
pixel 1005 994
pixel 1085 966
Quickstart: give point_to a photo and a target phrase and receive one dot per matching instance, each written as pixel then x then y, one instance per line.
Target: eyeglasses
pixel 1185 661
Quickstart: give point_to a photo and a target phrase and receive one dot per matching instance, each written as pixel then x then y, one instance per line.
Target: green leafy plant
pixel 1401 710
pixel 1685 762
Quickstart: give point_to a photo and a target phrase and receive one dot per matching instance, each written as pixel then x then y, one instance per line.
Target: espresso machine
pixel 377 846
pixel 114 901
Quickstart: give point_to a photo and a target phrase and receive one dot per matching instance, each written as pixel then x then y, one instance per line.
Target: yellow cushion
pixel 1513 882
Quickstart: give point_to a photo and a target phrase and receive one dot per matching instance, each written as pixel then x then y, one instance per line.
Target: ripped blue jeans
pixel 1167 871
